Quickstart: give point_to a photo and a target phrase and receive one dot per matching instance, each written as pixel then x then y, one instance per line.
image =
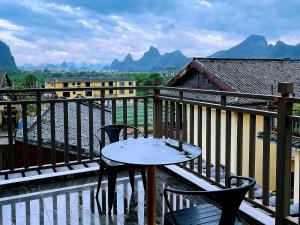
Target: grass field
pixel 119 114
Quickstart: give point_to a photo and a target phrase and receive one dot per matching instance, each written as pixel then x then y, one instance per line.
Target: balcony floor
pixel 73 202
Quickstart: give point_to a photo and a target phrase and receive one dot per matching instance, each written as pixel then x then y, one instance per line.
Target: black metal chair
pixel 222 209
pixel 111 167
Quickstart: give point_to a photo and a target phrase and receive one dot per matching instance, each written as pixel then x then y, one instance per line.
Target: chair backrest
pixel 230 199
pixel 113 132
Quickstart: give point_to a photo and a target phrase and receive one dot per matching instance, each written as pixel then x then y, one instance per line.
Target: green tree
pixel 30 81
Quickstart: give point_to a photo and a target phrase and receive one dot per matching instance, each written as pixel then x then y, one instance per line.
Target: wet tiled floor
pixel 73 202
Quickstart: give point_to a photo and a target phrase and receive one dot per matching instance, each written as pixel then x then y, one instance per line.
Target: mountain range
pixel 256 46
pixel 64 66
pixel 151 60
pixel 6 58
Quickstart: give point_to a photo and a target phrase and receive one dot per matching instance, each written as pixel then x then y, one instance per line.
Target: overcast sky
pixel 97 31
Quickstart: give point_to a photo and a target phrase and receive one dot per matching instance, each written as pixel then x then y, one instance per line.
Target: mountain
pixel 256 46
pixel 64 66
pixel 6 58
pixel 151 60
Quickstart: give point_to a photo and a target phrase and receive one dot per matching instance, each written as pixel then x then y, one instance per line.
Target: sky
pixel 98 31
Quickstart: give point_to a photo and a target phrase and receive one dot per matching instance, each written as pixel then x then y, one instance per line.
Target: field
pixel 119 114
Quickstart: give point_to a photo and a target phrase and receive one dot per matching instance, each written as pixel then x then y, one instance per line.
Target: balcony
pixel 49 163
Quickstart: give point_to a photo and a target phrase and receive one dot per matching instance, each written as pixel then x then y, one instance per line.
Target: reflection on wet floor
pixel 74 202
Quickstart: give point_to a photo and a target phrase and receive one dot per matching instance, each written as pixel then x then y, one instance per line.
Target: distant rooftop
pixel 88 79
pixel 72 122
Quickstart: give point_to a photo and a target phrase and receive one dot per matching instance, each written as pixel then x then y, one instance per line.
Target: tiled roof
pixel 59 127
pixel 88 79
pixel 4 80
pixel 254 76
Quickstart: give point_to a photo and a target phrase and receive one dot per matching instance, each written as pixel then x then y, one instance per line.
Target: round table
pixel 150 152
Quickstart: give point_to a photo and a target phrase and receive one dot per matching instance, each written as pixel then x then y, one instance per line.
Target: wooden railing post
pixel 157 117
pixel 283 165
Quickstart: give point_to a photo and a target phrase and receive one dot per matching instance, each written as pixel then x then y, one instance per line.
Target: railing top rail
pixel 46 90
pixel 220 93
pixel 61 100
pixel 175 89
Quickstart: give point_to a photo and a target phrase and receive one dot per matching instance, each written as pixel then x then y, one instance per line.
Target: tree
pixel 30 81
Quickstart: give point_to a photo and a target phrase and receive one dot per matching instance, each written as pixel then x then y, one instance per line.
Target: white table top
pixel 150 151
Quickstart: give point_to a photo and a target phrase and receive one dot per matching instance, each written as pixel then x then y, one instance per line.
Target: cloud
pixel 40 31
pixel 7 25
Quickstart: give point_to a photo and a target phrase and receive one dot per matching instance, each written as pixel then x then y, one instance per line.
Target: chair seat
pixel 202 214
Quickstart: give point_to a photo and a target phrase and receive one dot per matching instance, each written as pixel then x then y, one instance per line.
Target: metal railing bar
pixel 39 129
pixel 172 119
pixel 228 145
pixel 252 138
pixel 239 143
pixel 135 117
pixel 166 119
pixel 266 161
pixel 66 132
pixel 218 145
pixel 91 130
pixel 125 118
pixel 113 112
pixel 78 138
pixel 191 136
pixel 25 135
pixel 53 142
pixel 208 142
pixel 10 138
pixel 200 138
pixel 146 117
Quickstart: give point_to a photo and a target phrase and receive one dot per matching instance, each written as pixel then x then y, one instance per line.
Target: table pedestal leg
pixel 151 195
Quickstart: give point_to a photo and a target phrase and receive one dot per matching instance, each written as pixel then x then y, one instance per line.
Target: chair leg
pixel 143 172
pixel 131 177
pixel 112 178
pixel 101 172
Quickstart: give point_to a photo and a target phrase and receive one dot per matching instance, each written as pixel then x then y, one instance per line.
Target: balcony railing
pixel 226 133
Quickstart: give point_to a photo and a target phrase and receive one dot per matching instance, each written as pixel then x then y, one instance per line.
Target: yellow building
pixel 87 82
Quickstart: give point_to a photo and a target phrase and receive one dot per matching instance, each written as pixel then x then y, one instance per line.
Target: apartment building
pixel 86 82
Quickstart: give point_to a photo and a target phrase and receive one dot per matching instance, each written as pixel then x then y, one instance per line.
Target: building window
pixel 78 83
pixel 129 83
pixel 66 94
pixel 103 84
pixel 74 92
pixel 66 85
pixel 87 84
pixel 73 83
pixel 122 92
pixel 111 92
pixel 130 91
pixel 111 84
pixel 122 83
pixel 88 93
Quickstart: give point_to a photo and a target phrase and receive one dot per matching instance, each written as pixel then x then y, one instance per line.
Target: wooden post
pixel 284 139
